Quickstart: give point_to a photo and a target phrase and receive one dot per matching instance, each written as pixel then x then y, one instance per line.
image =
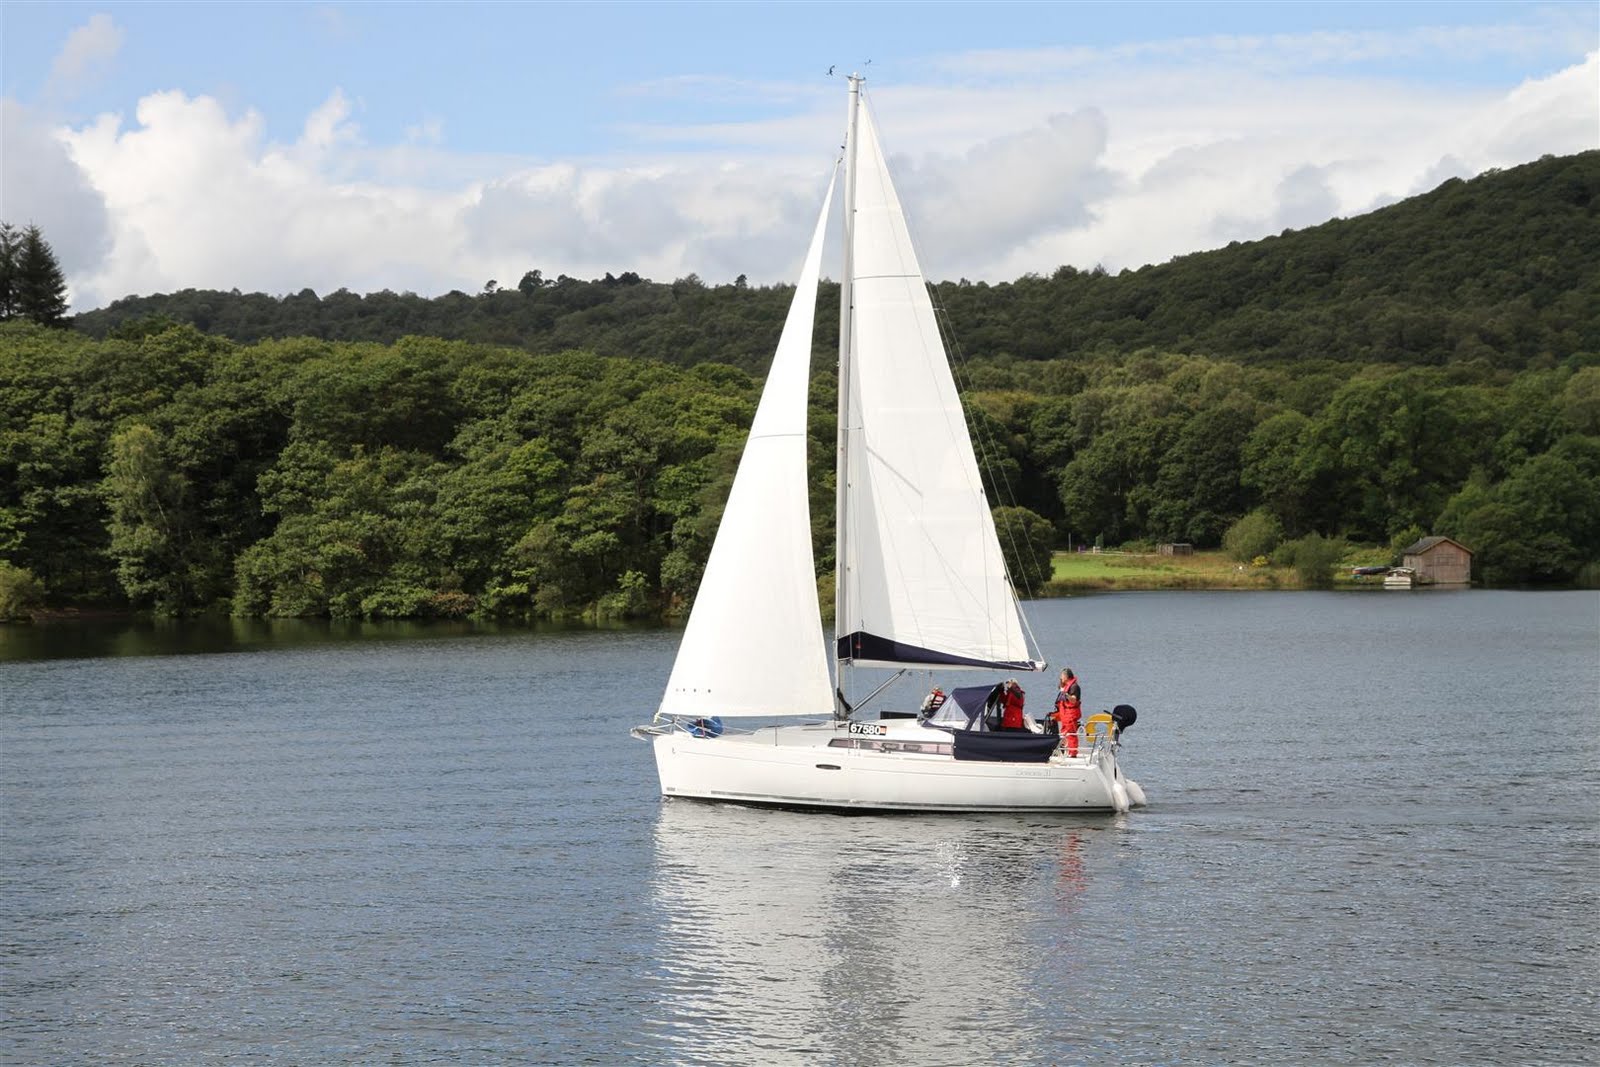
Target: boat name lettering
pixel 874 728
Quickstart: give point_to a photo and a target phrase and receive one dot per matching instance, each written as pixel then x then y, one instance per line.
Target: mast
pixel 841 581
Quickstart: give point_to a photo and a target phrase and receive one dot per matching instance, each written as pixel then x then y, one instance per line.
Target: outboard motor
pixel 1123 716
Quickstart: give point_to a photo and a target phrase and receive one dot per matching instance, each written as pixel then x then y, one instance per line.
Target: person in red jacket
pixel 1011 707
pixel 1069 709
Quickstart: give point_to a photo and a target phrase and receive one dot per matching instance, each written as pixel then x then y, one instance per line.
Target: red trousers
pixel 1069 729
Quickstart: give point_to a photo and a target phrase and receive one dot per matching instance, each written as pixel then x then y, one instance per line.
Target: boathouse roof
pixel 1431 542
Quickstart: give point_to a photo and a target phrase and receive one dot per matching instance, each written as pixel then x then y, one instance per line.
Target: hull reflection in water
pixel 788 937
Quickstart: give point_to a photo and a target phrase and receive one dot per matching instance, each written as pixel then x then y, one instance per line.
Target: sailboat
pixel 921 583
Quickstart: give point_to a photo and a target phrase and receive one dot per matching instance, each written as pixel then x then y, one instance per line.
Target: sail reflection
pixel 867 940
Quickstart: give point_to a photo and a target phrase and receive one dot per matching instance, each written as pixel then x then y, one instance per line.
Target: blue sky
pixel 426 146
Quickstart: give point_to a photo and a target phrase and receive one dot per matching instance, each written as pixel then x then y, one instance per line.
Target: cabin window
pixel 932 748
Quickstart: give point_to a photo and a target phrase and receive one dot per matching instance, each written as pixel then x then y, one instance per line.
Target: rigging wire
pixel 987 448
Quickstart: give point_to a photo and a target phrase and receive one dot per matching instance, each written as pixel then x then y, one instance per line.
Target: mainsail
pixel 754 644
pixel 922 579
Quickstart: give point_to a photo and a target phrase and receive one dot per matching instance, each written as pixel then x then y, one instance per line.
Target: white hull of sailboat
pixel 794 766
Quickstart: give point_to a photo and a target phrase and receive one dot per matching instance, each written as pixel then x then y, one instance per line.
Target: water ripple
pixel 445 850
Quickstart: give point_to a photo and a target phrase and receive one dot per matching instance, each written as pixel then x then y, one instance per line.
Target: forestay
pixel 754 643
pixel 924 580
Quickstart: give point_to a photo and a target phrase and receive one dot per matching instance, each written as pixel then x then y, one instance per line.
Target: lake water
pixel 1374 837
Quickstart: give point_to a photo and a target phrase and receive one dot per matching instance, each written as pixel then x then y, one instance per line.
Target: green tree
pixel 996 448
pixel 1313 558
pixel 397 396
pixel 1541 524
pixel 1403 540
pixel 8 271
pixel 52 516
pixel 1256 534
pixel 1558 507
pixel 152 527
pixel 1394 447
pixel 1278 465
pixel 503 486
pixel 38 288
pixel 357 537
pixel 1109 487
pixel 1580 401
pixel 20 592
pixel 1027 541
pixel 1197 491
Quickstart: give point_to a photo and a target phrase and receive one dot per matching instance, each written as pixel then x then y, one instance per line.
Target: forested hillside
pixel 1455 389
pixel 1503 268
pixel 180 472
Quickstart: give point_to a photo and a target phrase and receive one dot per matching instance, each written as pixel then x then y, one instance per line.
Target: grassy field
pixel 1076 572
pixel 1080 571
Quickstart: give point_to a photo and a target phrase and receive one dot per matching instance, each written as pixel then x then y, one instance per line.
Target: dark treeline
pixel 160 466
pixel 1502 268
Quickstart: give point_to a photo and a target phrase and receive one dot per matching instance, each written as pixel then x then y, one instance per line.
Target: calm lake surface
pixel 1374 837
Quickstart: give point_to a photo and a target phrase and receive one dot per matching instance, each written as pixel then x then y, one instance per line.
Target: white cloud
pixel 1556 114
pixel 328 124
pixel 1235 157
pixel 200 199
pixel 1006 192
pixel 1073 165
pixel 41 185
pixel 1304 198
pixel 89 49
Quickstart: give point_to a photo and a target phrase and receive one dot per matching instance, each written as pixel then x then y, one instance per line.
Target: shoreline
pixel 1057 589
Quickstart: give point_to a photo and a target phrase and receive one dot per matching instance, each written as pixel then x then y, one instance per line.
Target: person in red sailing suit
pixel 1011 707
pixel 1069 709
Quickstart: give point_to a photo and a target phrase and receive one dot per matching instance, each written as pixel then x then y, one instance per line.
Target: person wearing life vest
pixel 1069 709
pixel 933 702
pixel 1011 707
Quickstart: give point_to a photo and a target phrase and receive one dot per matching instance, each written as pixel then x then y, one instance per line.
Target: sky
pixel 427 147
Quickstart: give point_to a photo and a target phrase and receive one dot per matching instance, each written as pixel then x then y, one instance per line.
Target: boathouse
pixel 1439 561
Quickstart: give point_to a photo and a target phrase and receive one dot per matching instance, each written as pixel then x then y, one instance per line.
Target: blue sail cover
pixel 867 649
pixel 1006 746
